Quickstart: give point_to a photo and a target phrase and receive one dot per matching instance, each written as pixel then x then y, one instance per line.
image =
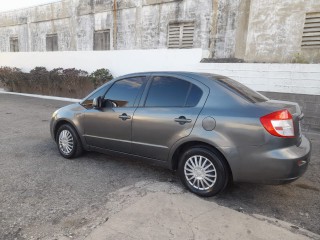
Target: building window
pixel 180 35
pixel 14 44
pixel 52 42
pixel 311 31
pixel 100 2
pixel 101 40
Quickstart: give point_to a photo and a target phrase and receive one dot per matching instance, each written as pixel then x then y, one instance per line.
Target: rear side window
pixel 240 89
pixel 194 96
pixel 172 92
pixel 124 92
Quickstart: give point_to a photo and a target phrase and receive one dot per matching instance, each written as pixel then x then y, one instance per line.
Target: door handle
pixel 124 116
pixel 182 120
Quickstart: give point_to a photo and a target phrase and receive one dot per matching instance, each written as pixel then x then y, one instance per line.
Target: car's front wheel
pixel 203 171
pixel 68 142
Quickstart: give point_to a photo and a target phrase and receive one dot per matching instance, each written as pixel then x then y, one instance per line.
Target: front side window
pixel 124 93
pixel 99 93
pixel 172 92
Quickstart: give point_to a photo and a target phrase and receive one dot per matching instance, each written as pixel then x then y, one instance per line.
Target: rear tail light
pixel 279 124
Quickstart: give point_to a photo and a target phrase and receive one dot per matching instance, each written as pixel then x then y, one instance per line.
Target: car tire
pixel 68 142
pixel 203 171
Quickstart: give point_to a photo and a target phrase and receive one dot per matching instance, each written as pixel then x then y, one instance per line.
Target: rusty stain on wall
pixel 115 24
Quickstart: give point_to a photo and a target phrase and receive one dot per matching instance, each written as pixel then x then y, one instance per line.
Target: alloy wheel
pixel 200 172
pixel 66 142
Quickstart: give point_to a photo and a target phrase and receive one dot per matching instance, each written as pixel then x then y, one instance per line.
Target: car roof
pixel 196 75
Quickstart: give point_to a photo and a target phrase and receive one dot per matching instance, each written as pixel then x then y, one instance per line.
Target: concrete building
pixel 252 30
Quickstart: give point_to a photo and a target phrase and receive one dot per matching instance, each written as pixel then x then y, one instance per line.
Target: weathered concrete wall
pixel 225 28
pixel 262 31
pixel 32 24
pixel 275 31
pixel 134 24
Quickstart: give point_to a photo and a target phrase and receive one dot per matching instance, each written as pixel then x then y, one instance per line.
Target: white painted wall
pixel 288 78
pixel 118 62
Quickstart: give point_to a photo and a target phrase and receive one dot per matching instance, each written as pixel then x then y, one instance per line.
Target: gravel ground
pixel 43 195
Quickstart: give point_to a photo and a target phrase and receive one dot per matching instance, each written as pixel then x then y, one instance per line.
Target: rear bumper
pixel 277 166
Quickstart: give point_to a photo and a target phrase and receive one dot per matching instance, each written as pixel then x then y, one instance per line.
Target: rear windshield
pixel 239 89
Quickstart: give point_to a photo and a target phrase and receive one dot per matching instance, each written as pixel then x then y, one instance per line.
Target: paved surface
pixel 169 214
pixel 43 196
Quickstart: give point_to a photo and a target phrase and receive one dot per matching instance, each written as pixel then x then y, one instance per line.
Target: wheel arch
pixel 187 145
pixel 62 122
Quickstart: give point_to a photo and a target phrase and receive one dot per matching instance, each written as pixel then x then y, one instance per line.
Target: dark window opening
pixel 101 40
pixel 14 44
pixel 52 42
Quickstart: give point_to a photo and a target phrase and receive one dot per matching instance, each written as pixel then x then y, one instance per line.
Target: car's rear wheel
pixel 68 142
pixel 203 171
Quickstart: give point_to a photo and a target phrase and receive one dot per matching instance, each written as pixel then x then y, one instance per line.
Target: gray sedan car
pixel 211 129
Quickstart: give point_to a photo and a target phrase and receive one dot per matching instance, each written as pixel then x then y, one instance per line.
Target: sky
pixel 7 5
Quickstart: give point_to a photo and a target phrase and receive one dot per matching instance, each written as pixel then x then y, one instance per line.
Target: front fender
pixel 71 114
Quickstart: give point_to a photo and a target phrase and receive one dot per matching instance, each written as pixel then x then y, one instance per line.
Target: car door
pixel 167 114
pixel 109 127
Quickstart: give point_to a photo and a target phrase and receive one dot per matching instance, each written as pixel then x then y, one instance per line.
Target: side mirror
pixel 109 104
pixel 96 103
